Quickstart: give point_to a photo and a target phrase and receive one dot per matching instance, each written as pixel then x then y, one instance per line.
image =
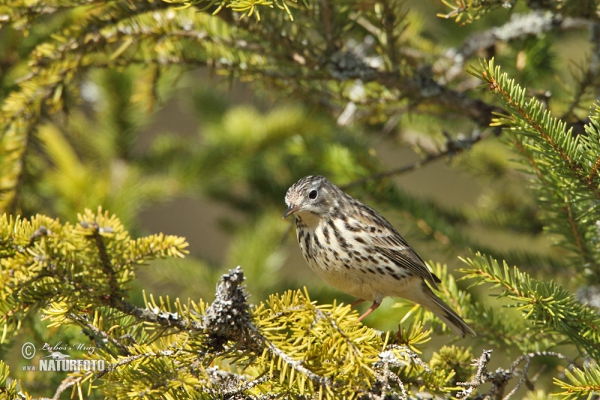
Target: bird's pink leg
pixel 357 302
pixel 370 310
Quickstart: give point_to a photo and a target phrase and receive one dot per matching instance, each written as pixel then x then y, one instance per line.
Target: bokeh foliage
pixel 335 87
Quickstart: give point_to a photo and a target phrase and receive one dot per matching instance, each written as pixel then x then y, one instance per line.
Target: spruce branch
pixel 104 258
pixel 580 382
pixel 548 305
pixel 530 116
pixel 566 209
pixel 124 32
pixel 295 364
pixel 564 163
pixel 98 335
pixel 45 260
pixel 594 170
pixel 166 320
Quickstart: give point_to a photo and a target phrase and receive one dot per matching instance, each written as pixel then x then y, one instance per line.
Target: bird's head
pixel 312 194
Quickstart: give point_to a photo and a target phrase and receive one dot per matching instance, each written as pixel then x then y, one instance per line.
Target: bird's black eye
pixel 312 195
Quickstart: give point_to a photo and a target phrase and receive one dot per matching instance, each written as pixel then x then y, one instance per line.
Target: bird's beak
pixel 291 209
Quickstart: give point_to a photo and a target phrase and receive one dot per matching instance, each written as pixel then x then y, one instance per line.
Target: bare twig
pixel 481 376
pixel 519 26
pixel 383 374
pixel 500 378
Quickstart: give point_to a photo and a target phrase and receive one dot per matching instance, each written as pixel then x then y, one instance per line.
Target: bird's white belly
pixel 346 274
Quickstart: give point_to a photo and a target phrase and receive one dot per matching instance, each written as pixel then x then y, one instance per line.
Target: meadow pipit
pixel 359 252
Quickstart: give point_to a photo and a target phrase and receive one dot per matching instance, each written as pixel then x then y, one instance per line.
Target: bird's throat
pixel 308 219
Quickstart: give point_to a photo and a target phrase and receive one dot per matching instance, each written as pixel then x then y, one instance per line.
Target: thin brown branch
pixel 452 147
pixel 575 232
pixel 107 266
pixel 396 171
pixel 327 20
pixel 594 171
pixel 389 24
pixel 480 377
pixel 422 89
pixel 501 377
pixel 532 162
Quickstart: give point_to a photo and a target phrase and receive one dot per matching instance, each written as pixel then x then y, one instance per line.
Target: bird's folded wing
pixel 407 258
pixel 387 241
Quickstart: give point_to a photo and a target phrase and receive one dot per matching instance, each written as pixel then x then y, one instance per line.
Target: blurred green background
pixel 193 151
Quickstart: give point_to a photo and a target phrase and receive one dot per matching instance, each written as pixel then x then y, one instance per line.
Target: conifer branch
pixel 295 364
pixel 563 162
pixel 167 320
pixel 586 78
pixel 469 11
pixel 566 209
pixel 594 171
pixel 240 391
pixel 535 118
pixel 581 382
pixel 575 232
pixel 529 159
pixel 100 337
pixel 104 258
pixel 547 305
pixel 472 9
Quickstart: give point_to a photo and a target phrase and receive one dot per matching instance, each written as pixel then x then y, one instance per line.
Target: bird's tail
pixel 428 299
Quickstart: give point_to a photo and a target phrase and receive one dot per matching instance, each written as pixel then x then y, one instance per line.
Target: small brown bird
pixel 359 252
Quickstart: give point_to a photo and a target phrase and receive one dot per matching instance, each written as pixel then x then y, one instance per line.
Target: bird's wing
pixel 387 241
pixel 407 258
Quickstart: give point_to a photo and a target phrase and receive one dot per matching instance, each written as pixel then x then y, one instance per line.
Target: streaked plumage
pixel 357 251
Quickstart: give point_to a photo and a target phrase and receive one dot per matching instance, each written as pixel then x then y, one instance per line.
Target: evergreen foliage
pixel 82 83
